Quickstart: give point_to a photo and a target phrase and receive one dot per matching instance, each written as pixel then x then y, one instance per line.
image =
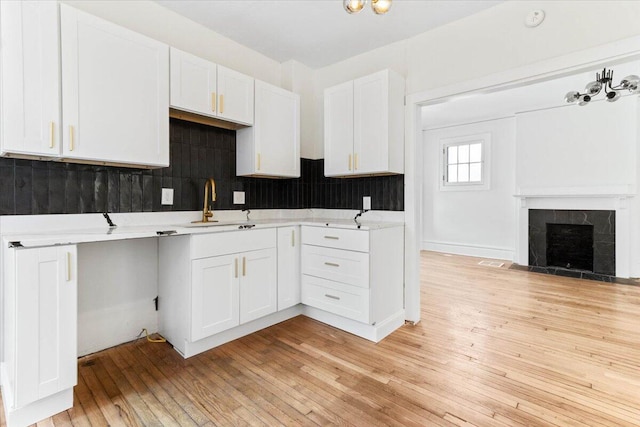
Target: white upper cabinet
pixel 364 126
pixel 30 78
pixel 115 92
pixel 202 87
pixel 338 130
pixel 271 148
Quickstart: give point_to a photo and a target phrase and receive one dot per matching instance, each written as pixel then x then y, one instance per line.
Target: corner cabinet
pixel 115 93
pixel 271 148
pixel 39 368
pixel 210 284
pixel 364 126
pixel 202 87
pixel 29 79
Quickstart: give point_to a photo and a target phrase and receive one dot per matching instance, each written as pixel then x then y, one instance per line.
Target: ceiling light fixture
pixel 380 7
pixel 603 81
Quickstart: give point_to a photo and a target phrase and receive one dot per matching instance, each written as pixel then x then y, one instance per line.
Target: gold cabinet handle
pixel 332 237
pixel 349 161
pixel 71 138
pixel 221 103
pixel 332 296
pixel 293 238
pixel 332 264
pixel 244 266
pixel 51 134
pixel 68 266
pixel 213 102
pixel 259 158
pixel 236 262
pixel 355 161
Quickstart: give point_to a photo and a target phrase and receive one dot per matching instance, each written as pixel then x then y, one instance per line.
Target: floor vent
pixel 491 263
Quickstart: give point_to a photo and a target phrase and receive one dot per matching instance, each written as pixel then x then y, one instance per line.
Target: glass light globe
pixel 593 88
pixel 354 6
pixel 381 7
pixel 572 96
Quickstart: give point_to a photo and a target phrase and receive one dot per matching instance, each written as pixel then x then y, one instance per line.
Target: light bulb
pixel 354 6
pixel 584 100
pixel 571 97
pixel 631 80
pixel 380 7
pixel 613 96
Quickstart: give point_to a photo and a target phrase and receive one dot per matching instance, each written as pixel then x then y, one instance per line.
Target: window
pixel 463 162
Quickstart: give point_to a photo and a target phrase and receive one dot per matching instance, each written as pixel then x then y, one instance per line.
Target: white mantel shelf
pixel 611 191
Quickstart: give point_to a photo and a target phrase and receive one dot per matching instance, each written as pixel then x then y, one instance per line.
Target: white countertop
pixel 44 235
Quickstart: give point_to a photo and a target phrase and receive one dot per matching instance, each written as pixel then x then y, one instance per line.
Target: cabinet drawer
pixel 337 298
pixel 222 243
pixel 339 238
pixel 336 264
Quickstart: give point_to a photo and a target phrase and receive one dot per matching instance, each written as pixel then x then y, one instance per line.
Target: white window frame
pixel 484 183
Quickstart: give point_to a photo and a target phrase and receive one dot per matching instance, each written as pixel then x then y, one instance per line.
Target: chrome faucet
pixel 207 211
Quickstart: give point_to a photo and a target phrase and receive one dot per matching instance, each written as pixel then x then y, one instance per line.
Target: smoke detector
pixel 534 18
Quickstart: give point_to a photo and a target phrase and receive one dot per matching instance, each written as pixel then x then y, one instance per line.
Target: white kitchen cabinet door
pixel 115 92
pixel 30 78
pixel 214 295
pixel 258 284
pixel 193 83
pixel 370 123
pixel 202 87
pixel 235 96
pixel 45 322
pixel 272 146
pixel 338 130
pixel 288 267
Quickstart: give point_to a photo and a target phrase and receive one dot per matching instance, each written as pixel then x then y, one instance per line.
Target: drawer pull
pixel 332 296
pixel 332 237
pixel 332 264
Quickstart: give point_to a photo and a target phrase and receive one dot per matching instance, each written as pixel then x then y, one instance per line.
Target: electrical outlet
pixel 238 197
pixel 366 203
pixel 167 196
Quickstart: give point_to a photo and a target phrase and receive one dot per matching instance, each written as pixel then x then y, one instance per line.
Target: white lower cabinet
pixel 288 267
pixel 212 283
pixel 39 368
pixel 355 274
pixel 214 295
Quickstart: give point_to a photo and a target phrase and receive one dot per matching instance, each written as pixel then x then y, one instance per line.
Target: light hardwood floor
pixel 494 347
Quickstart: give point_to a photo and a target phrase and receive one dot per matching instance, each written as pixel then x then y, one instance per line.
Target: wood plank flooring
pixel 495 347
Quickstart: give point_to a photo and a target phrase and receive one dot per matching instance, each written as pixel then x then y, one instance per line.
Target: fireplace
pixel 578 243
pixel 570 246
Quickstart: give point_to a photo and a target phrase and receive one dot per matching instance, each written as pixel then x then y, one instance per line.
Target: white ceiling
pixel 506 103
pixel 319 32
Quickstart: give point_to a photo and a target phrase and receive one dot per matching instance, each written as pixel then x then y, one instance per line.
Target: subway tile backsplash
pixel 197 152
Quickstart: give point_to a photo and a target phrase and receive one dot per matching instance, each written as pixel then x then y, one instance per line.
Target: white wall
pixel 298 78
pixel 471 222
pixel 119 281
pixel 571 146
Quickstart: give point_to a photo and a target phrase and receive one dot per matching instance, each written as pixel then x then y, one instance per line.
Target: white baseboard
pixel 469 250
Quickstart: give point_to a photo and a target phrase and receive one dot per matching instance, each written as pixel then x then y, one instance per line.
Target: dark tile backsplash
pixel 196 153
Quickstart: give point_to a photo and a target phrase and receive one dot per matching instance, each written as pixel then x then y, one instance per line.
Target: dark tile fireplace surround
pixel 573 243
